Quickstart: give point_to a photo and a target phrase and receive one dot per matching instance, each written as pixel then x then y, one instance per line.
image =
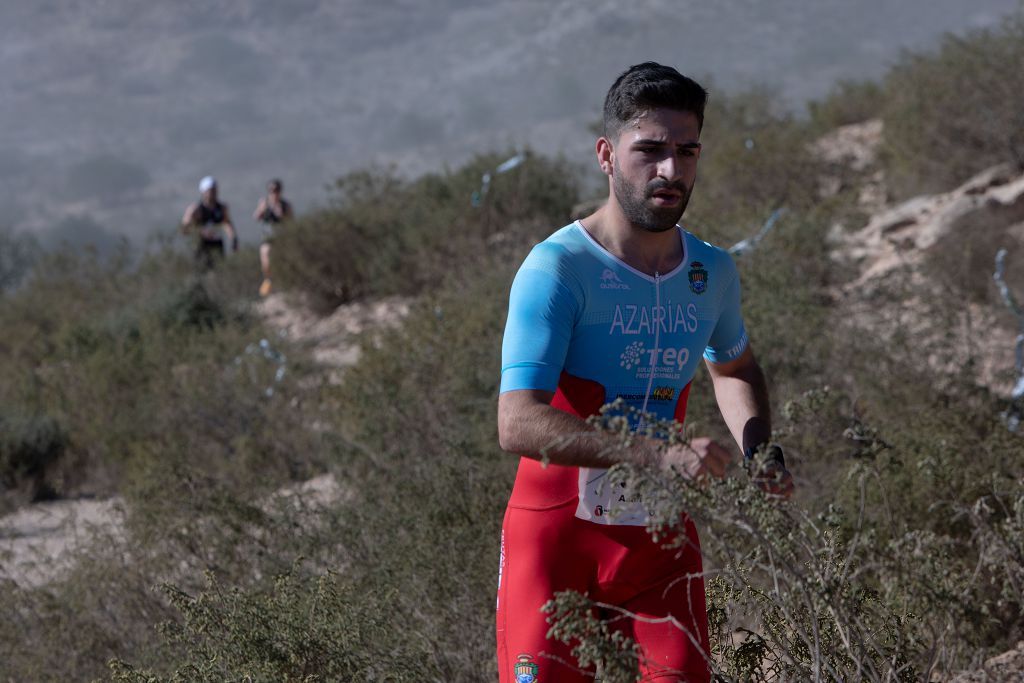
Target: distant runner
pixel 623 304
pixel 207 218
pixel 271 210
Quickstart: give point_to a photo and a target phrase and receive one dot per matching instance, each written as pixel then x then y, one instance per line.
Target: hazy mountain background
pixel 113 110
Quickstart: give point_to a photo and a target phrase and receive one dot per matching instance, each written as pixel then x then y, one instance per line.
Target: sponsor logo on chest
pixel 633 319
pixel 665 363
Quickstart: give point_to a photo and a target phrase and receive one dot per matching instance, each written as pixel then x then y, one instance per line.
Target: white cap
pixel 206 183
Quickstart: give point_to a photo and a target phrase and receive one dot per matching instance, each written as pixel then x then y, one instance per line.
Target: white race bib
pixel 603 502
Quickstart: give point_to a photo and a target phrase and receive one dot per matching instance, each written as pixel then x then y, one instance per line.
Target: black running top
pixel 206 215
pixel 268 216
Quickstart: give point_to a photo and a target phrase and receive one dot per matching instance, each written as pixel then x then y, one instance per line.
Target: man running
pixel 207 218
pixel 621 304
pixel 271 210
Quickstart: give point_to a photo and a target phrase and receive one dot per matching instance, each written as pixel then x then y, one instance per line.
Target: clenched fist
pixel 700 457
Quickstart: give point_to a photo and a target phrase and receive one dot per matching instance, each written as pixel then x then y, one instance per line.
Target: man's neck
pixel 648 252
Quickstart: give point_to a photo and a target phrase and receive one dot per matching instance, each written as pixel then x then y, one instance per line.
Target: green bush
pixel 167 406
pixel 432 479
pixel 847 102
pixel 963 260
pixel 302 629
pixel 955 112
pixel 131 358
pixel 756 158
pixel 18 253
pixel 425 486
pixel 29 445
pixel 385 235
pixel 871 587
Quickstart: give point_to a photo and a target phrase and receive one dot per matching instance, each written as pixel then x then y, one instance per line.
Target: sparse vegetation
pixel 848 102
pixel 18 253
pixel 953 113
pixel 385 235
pixel 748 139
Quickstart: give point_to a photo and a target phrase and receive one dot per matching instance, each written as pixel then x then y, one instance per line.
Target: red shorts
pixel 545 551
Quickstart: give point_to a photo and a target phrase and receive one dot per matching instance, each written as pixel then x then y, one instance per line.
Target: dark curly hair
pixel 647 86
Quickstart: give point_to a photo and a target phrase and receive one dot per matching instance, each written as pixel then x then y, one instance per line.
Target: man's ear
pixel 605 155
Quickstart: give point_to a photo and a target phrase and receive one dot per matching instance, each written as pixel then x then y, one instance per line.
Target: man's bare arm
pixel 742 395
pixel 189 219
pixel 528 425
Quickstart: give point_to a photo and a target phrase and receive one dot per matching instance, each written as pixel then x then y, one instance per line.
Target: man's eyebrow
pixel 652 142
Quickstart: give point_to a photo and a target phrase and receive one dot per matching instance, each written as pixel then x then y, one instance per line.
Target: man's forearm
pixel 527 430
pixel 743 400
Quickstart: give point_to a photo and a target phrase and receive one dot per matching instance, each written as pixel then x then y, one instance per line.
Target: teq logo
pixel 609 280
pixel 635 355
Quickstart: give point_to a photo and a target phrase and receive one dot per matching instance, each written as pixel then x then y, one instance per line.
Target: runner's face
pixel 654 166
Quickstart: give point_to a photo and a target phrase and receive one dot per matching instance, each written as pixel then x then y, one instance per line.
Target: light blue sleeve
pixel 541 315
pixel 729 338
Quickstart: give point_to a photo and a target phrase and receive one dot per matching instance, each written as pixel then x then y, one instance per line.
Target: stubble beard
pixel 641 214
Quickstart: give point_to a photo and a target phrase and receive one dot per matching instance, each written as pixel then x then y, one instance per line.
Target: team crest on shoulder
pixel 698 278
pixel 526 670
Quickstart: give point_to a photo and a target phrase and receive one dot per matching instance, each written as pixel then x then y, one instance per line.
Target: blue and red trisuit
pixel 590 328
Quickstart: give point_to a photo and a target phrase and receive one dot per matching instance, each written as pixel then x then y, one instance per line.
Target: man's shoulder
pixel 706 252
pixel 564 245
pixel 561 256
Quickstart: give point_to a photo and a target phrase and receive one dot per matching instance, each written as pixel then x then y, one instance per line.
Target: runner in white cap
pixel 207 218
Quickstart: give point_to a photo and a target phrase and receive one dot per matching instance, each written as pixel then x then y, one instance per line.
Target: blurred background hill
pixel 114 110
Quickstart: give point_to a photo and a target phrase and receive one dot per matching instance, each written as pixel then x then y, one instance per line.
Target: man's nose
pixel 668 167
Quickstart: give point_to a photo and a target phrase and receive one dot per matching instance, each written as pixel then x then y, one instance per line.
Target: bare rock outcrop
pixel 894 291
pixel 898 237
pixel 854 145
pixel 41 542
pixel 334 339
pixel 850 154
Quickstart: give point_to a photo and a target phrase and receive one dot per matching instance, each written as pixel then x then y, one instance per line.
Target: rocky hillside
pixel 924 267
